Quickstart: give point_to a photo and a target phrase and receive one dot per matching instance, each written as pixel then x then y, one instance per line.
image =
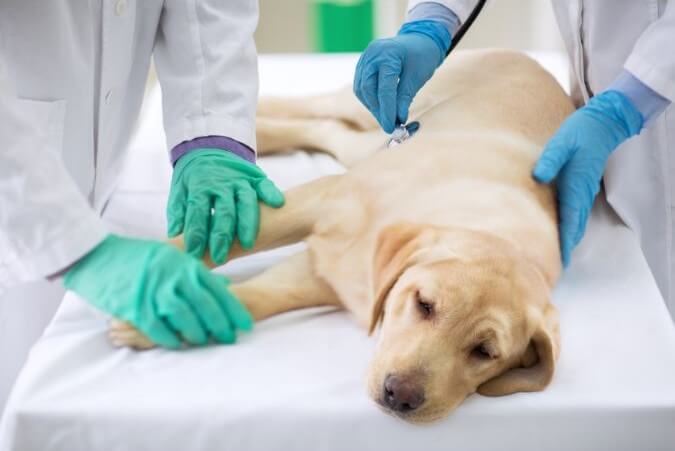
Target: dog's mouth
pixel 382 404
pixel 423 416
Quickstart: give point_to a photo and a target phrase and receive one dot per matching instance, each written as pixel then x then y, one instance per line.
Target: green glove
pixel 165 293
pixel 213 193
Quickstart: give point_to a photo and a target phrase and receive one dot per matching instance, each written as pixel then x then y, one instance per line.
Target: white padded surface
pixel 296 382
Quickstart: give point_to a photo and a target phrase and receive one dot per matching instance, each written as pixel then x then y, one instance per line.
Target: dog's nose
pixel 401 394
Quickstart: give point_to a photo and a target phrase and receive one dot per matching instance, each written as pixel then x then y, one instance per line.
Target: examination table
pixel 297 381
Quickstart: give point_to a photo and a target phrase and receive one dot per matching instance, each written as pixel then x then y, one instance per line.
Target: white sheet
pixel 296 382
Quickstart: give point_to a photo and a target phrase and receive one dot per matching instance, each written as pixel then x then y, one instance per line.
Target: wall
pixel 283 26
pixel 520 24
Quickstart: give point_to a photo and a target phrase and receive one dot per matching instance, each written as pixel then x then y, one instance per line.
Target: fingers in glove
pixel 575 199
pixel 236 312
pixel 209 311
pixel 173 306
pixel 248 214
pixel 269 193
pixel 185 322
pixel 367 90
pixel 406 92
pixel 223 224
pixel 569 225
pixel 175 210
pixel 197 222
pixel 159 333
pixel 360 77
pixel 555 155
pixel 386 94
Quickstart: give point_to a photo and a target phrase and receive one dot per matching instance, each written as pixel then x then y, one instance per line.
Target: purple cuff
pixel 213 142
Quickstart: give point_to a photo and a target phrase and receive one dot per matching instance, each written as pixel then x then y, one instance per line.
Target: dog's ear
pixel 537 364
pixel 395 250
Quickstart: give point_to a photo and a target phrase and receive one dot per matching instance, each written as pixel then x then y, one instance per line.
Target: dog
pixel 444 242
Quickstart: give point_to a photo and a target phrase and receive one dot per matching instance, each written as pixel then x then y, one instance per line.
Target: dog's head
pixel 461 312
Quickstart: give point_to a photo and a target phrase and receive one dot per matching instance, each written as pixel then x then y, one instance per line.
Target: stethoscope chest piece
pixel 403 133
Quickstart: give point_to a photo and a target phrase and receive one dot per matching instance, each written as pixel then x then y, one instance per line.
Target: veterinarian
pixel 621 54
pixel 72 78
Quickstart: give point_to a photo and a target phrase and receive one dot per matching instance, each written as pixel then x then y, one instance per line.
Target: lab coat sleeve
pixel 46 224
pixel 207 67
pixel 652 60
pixel 462 8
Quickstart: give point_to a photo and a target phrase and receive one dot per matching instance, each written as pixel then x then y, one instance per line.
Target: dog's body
pixel 448 231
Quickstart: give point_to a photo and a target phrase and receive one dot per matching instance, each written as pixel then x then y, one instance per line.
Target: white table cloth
pixel 296 382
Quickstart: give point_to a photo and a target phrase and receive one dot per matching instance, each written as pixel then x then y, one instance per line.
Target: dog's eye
pixel 481 352
pixel 425 307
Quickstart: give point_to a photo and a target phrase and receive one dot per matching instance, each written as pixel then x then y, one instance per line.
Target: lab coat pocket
pixel 49 115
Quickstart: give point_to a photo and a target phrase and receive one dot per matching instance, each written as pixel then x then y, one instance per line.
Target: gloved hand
pixel 576 157
pixel 164 292
pixel 391 71
pixel 213 193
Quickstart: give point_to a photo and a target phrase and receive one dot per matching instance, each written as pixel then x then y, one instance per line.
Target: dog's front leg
pixel 289 285
pixel 289 224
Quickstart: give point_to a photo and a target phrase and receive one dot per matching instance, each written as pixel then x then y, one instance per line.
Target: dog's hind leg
pixel 347 144
pixel 339 105
pixel 334 123
pixel 289 285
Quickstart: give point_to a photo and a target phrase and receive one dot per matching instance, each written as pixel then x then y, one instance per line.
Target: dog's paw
pixel 124 334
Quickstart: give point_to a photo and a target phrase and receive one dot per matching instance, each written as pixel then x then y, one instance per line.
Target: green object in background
pixel 342 25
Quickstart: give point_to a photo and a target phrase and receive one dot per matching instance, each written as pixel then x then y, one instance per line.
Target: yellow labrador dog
pixel 444 240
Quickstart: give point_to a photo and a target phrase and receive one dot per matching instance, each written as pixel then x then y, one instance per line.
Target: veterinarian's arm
pixel 207 66
pixel 652 60
pixel 648 78
pixel 577 154
pixel 391 71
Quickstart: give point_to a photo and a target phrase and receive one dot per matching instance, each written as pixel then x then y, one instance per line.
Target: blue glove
pixel 391 71
pixel 576 157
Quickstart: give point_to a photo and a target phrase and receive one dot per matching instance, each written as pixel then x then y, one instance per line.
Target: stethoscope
pixel 403 132
pixel 466 25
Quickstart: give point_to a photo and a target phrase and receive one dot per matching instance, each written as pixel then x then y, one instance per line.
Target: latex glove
pixel 391 71
pixel 213 194
pixel 167 294
pixel 576 157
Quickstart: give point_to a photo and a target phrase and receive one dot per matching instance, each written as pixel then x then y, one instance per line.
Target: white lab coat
pixel 602 37
pixel 72 77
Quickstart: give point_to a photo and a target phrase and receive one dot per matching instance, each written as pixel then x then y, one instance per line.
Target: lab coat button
pixel 120 7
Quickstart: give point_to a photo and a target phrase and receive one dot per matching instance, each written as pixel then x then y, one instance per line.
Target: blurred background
pixel 298 26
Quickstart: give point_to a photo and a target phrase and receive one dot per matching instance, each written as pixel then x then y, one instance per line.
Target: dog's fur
pixel 446 239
